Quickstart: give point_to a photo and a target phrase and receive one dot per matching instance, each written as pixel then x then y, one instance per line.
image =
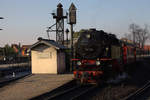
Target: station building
pixel 47 57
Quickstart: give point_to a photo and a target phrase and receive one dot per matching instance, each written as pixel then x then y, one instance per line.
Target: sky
pixel 26 20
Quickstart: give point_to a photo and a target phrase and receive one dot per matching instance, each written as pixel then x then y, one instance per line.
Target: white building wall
pixel 44 60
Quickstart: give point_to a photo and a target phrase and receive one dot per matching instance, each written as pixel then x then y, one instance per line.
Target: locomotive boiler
pixel 94 44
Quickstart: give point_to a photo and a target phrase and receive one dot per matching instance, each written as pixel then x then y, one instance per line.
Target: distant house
pixel 25 50
pixel 47 57
pixel 147 47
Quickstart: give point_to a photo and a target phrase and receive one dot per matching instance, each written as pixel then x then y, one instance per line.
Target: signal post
pixel 72 20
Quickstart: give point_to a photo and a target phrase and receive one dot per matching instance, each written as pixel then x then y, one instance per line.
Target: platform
pixel 33 85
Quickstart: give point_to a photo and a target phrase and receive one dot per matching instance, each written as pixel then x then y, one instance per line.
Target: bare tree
pixel 140 35
pixel 133 28
pixel 144 35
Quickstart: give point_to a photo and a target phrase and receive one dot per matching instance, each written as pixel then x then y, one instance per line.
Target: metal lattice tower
pixel 60 31
pixel 59 24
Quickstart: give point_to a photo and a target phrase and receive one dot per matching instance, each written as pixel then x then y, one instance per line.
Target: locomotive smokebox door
pixel 72 14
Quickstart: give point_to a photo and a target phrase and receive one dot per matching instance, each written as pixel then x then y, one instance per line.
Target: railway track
pixel 83 93
pixel 6 81
pixel 139 92
pixel 72 92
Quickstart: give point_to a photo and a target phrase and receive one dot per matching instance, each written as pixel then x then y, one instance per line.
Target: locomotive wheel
pixel 78 82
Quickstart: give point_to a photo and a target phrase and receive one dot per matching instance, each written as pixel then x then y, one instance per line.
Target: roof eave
pixel 48 44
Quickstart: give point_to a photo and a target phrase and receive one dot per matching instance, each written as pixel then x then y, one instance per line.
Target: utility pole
pixel 1 18
pixel 72 20
pixel 67 31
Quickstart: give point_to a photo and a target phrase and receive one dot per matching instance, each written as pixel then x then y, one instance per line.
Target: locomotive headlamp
pixel 107 49
pixel 88 36
pixel 98 63
pixel 79 63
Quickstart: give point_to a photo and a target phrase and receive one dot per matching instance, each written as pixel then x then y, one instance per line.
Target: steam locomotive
pixel 100 56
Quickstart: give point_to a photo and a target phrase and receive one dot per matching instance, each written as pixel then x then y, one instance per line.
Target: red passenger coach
pixel 129 53
pixel 124 54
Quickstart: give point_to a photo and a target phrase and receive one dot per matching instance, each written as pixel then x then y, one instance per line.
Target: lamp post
pixel 72 20
pixel 67 31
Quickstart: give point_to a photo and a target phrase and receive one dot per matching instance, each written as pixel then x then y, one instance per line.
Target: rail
pixel 57 96
pixel 77 97
pixel 140 91
pixel 69 91
pixel 72 93
pixel 12 78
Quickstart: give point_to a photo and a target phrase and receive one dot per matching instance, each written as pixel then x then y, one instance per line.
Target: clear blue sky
pixel 25 20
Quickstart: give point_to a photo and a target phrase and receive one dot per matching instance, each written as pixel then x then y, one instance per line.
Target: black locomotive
pixel 102 56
